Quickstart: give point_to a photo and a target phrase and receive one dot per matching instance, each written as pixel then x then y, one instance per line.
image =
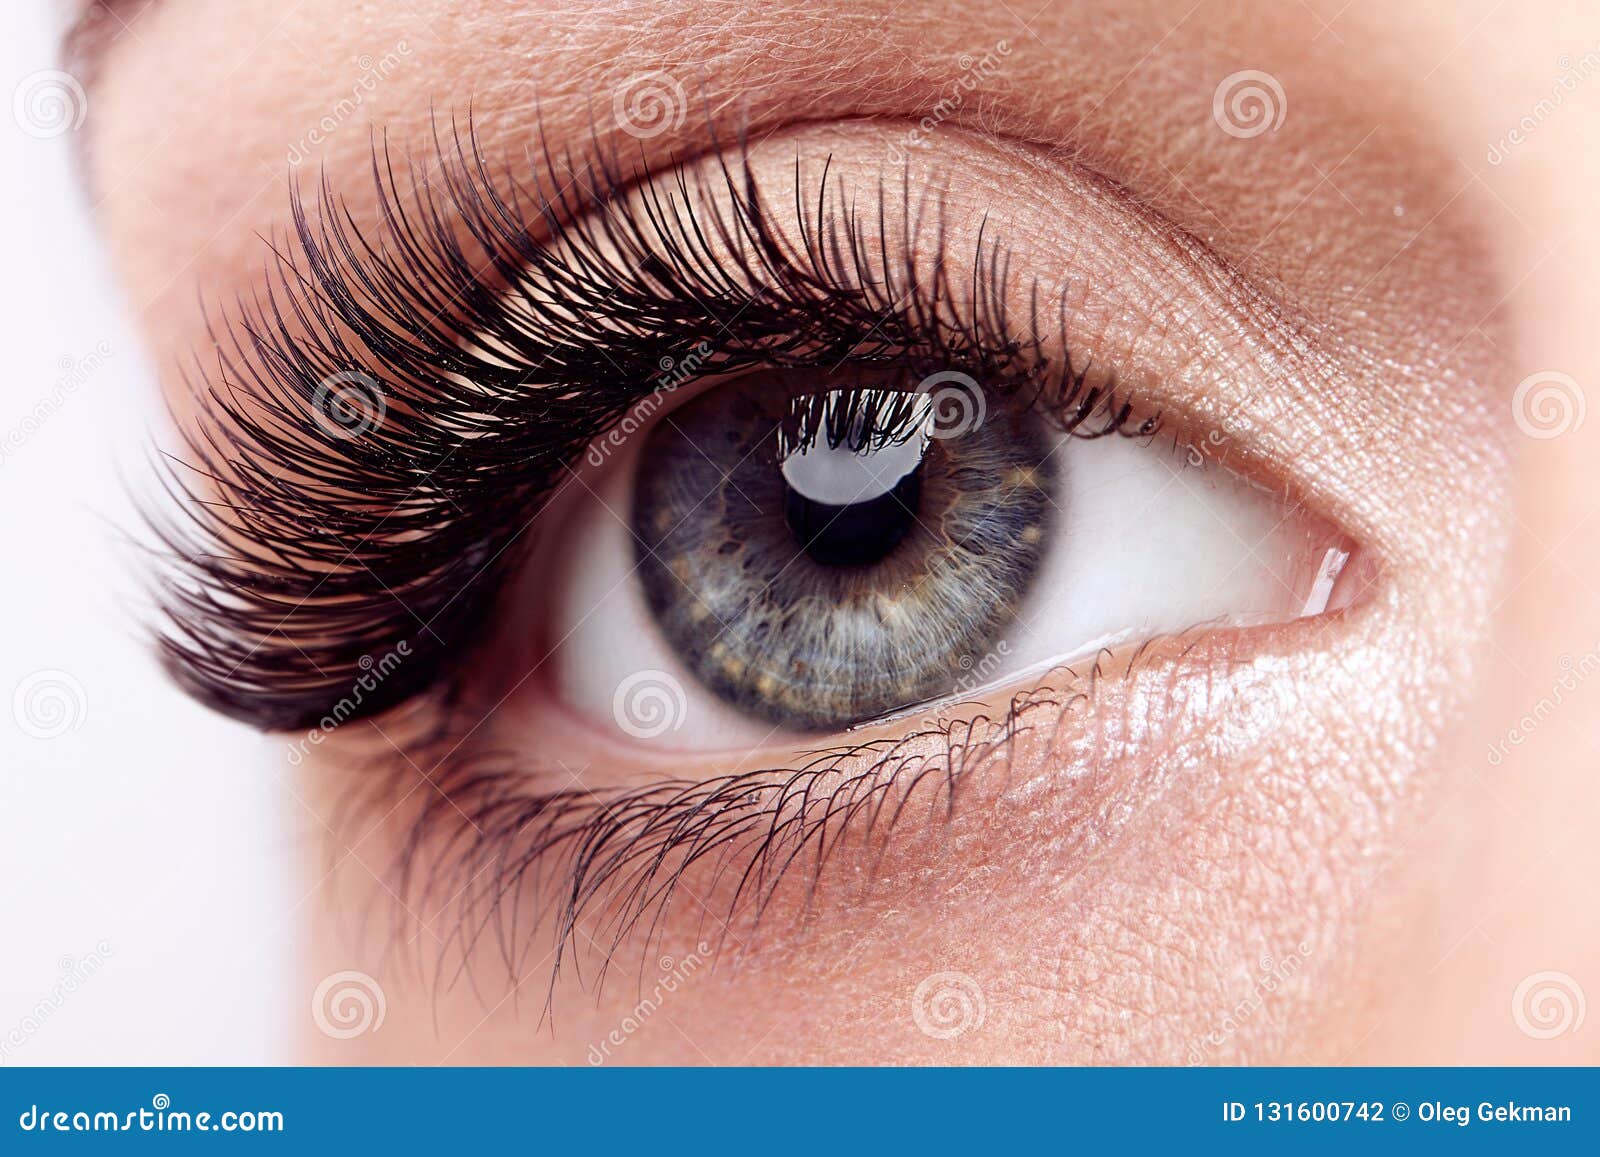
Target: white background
pixel 147 825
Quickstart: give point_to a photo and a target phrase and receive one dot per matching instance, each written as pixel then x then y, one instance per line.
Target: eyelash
pixel 300 554
pixel 279 590
pixel 481 842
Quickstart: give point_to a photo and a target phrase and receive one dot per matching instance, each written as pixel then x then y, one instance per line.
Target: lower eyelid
pixel 511 864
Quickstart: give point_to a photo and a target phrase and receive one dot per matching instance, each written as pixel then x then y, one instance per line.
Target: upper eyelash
pixel 864 419
pixel 299 554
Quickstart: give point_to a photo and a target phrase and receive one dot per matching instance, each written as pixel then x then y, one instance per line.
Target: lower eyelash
pixel 315 537
pixel 509 866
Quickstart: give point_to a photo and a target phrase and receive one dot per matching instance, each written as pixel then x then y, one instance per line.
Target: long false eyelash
pixel 380 425
pixel 862 419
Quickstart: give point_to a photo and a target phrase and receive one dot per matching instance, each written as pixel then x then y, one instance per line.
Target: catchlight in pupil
pixel 850 496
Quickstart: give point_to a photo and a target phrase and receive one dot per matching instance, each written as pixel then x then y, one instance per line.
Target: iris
pixel 818 556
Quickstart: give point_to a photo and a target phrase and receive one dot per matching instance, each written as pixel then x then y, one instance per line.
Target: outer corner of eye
pixel 783 558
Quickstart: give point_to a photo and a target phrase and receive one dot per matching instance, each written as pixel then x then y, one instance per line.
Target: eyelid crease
pixel 374 410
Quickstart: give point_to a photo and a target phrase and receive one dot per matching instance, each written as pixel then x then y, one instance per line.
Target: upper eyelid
pixel 290 345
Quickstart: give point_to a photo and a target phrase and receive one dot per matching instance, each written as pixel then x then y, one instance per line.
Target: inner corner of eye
pixel 783 555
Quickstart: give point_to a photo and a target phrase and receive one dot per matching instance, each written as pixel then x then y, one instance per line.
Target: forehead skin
pixel 1372 213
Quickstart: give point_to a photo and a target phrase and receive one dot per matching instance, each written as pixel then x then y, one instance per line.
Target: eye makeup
pixel 385 428
pixel 381 426
pixel 1130 795
pixel 692 606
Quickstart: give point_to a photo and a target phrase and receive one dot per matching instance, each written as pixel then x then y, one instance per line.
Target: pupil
pixel 849 498
pixel 858 533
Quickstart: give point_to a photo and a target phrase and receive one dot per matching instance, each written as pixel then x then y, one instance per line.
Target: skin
pixel 1356 294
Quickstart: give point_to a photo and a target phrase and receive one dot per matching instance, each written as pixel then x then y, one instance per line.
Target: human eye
pixel 430 530
pixel 929 500
pixel 1036 546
